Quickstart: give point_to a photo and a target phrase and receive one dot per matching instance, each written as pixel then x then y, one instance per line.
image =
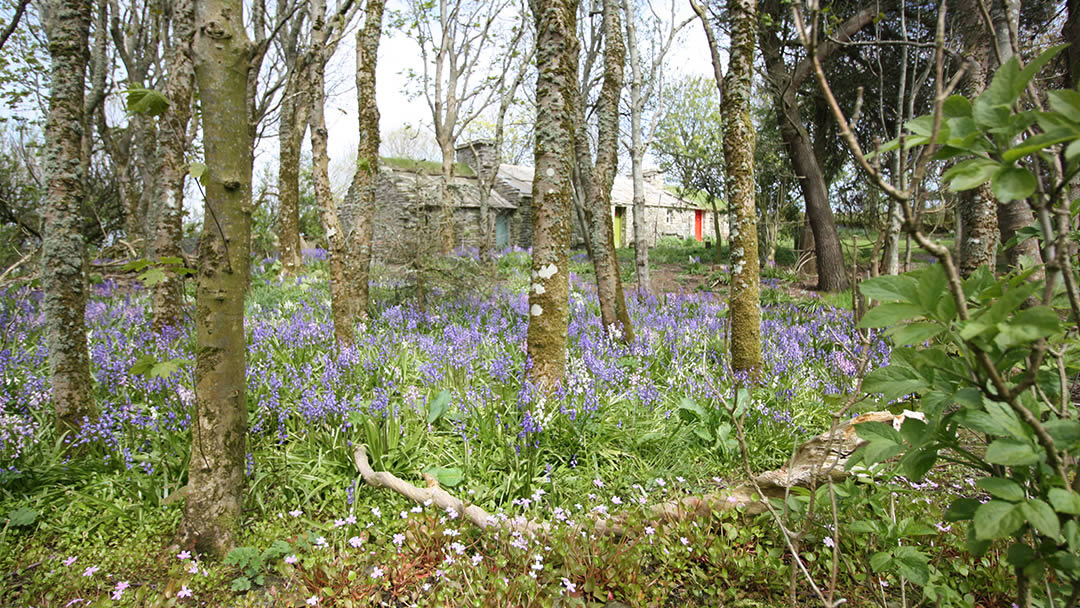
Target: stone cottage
pixel 408 207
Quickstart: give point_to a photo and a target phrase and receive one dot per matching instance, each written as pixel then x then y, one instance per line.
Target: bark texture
pixel 978 209
pixel 362 190
pixel 335 235
pixel 785 83
pixel 213 508
pixel 168 296
pixel 292 123
pixel 609 289
pixel 63 250
pixel 556 86
pixel 739 141
pixel 637 154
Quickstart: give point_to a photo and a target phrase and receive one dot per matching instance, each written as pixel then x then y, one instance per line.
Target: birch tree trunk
pixel 335 235
pixel 556 83
pixel 609 290
pixel 739 142
pixel 63 250
pixel 637 154
pixel 167 296
pixel 362 190
pixel 213 508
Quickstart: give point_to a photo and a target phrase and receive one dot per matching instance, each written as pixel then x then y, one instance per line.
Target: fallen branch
pixel 816 462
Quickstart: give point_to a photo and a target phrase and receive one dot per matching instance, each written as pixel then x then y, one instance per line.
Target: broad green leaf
pixel 880 561
pixel 975 545
pixel 1073 151
pixel 956 106
pixel 879 451
pixel 890 288
pixel 689 410
pixel 997 519
pixel 912 565
pixel 23 516
pixel 1065 501
pixel 894 381
pixel 146 101
pixel 1038 142
pixel 438 406
pixel 142 365
pixel 913 430
pixel 1066 433
pixel 1042 518
pixel 1011 452
pixel 1012 183
pixel 917 463
pixel 970 173
pixel 873 430
pixel 241 583
pixel 914 333
pixel 891 314
pixel 153 276
pixel 1020 555
pixel 447 476
pixel 922 125
pixel 1065 102
pixel 1005 489
pixel 164 369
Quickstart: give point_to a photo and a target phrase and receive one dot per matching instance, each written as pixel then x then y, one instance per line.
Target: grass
pixel 427 167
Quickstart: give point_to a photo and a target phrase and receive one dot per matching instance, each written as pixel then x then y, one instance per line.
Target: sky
pixel 397 53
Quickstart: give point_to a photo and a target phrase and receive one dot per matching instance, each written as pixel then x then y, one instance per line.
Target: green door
pixel 502 231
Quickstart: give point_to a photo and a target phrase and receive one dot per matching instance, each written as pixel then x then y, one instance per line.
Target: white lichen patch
pixel 539 289
pixel 536 310
pixel 551 171
pixel 546 272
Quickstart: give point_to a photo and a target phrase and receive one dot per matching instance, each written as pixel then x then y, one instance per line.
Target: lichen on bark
pixel 557 54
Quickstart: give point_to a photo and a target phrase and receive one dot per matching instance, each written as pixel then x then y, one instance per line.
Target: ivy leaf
pixel 146 101
pixel 1012 183
pixel 997 519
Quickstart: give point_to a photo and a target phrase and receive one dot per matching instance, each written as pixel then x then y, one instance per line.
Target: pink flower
pixel 184 592
pixel 118 592
pixel 355 542
pixel 311 601
pixel 194 569
pixel 183 555
pixel 290 559
pixel 70 560
pixel 90 571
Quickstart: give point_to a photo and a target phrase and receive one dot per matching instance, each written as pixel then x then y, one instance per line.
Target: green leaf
pixel 164 369
pixel 438 406
pixel 956 106
pixel 891 314
pixel 23 516
pixel 880 561
pixel 1011 452
pixel 893 381
pixel 1042 518
pixel 916 463
pixel 997 519
pixel 912 564
pixel 1066 433
pixel 447 476
pixel 153 276
pixel 689 410
pixel 879 451
pixel 1012 183
pixel 1020 555
pixel 198 171
pixel 142 365
pixel 872 430
pixel 914 333
pixel 976 546
pixel 1065 102
pixel 970 173
pixel 890 288
pixel 146 101
pixel 1005 489
pixel 241 583
pixel 1065 501
pixel 1038 142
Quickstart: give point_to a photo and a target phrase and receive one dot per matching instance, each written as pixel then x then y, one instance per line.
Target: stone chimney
pixel 480 155
pixel 654 177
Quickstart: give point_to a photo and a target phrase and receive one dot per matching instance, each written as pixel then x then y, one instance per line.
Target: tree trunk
pixel 63 250
pixel 609 290
pixel 168 295
pixel 292 124
pixel 739 168
pixel 637 155
pixel 362 189
pixel 556 85
pixel 335 235
pixel 446 215
pixel 213 508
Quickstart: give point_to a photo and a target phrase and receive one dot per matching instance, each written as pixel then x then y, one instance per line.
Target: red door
pixel 698 216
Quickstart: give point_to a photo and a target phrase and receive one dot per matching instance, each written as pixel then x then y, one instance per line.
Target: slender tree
pixel 556 61
pixel 292 124
pixel 609 289
pixel 361 193
pixel 63 251
pixel 739 161
pixel 222 56
pixel 167 295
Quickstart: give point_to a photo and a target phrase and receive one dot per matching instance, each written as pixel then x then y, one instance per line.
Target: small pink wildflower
pixel 184 592
pixel 598 483
pixel 290 559
pixel 194 568
pixel 296 513
pixel 70 560
pixel 376 572
pixel 355 542
pixel 311 601
pixel 183 555
pixel 118 592
pixel 90 571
